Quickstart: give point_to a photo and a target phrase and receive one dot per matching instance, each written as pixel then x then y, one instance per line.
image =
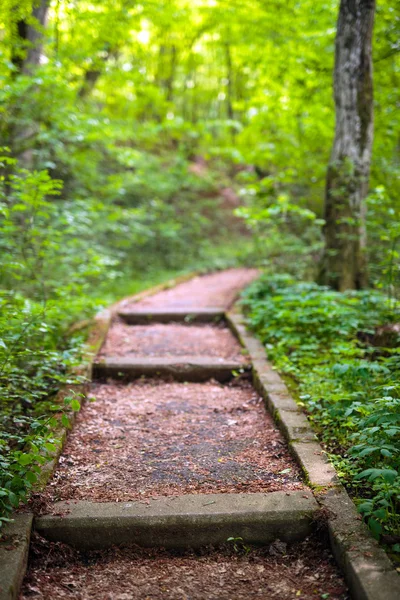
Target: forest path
pixel 179 462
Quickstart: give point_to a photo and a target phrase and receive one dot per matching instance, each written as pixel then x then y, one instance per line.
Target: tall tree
pixel 344 264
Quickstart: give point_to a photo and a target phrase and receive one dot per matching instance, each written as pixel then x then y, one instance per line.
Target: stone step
pixel 181 368
pixel 189 521
pixel 170 315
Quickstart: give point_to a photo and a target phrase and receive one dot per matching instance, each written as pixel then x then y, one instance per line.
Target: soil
pixel 303 571
pixel 149 439
pixel 172 340
pixel 213 290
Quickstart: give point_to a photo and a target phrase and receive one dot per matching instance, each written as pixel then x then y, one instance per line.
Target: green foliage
pixel 384 236
pixel 285 233
pixel 123 136
pixel 327 345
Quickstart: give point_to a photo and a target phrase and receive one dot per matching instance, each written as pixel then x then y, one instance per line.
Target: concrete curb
pixel 182 368
pixel 193 520
pixel 14 549
pixel 366 567
pixel 369 573
pixel 146 317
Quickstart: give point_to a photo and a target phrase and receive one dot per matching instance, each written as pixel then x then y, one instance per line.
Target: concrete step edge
pixel 182 315
pixel 183 521
pixel 181 368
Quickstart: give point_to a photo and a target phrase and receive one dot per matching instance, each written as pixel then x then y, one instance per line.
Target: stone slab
pixel 319 472
pixel 280 400
pixel 275 394
pixel 182 521
pixel 170 315
pixel 182 368
pixel 14 549
pixel 368 570
pixel 295 426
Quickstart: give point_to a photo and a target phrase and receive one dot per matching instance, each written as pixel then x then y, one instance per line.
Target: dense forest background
pixel 141 140
pixel 147 111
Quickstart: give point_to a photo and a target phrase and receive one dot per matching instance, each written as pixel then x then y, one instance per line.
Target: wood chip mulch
pixel 218 289
pixel 303 571
pixel 150 439
pixel 172 340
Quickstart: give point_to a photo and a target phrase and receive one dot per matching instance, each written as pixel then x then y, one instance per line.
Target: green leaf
pixel 25 459
pixel 375 527
pixel 50 447
pixel 386 452
pixel 65 421
pixel 13 499
pixel 75 405
pixel 380 513
pixel 31 477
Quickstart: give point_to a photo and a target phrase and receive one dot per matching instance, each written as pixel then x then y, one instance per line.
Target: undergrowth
pixel 342 361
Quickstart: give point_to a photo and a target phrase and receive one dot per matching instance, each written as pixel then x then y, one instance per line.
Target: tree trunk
pixel 344 264
pixel 26 55
pixel 229 77
pixel 166 71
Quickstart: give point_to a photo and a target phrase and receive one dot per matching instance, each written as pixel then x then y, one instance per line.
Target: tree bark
pixel 344 264
pixel 29 48
pixel 26 55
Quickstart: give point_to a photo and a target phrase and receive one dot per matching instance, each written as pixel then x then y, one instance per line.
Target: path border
pixel 15 549
pixel 366 566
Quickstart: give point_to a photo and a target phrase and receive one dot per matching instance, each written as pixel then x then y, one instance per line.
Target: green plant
pixel 326 344
pixel 238 545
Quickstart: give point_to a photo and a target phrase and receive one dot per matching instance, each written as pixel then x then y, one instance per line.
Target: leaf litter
pixel 149 439
pixel 302 571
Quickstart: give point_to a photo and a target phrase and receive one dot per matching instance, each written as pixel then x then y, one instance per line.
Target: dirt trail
pixel 147 439
pixel 305 570
pixel 157 438
pixel 171 340
pixel 215 289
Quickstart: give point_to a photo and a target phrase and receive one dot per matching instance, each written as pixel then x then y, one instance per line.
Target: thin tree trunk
pixel 92 75
pixel 170 81
pixel 344 264
pixel 229 77
pixel 166 71
pixel 35 36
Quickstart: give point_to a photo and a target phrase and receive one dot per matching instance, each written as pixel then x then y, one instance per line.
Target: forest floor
pixel 154 438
